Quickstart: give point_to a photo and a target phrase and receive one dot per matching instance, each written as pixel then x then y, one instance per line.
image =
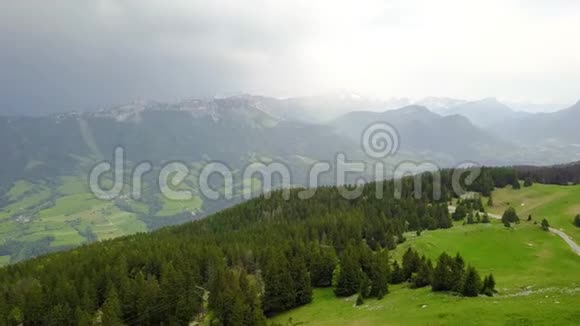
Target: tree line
pixel 450 274
pixel 564 174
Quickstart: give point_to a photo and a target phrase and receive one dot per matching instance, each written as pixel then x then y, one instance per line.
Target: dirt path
pixel 568 240
pixel 573 245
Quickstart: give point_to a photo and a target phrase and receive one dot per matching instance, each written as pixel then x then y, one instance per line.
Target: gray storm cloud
pixel 75 55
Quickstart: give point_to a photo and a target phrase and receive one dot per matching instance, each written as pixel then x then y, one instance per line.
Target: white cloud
pixel 512 49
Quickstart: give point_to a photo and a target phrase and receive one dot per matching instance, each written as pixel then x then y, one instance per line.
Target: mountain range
pixel 45 204
pixel 422 131
pixel 486 113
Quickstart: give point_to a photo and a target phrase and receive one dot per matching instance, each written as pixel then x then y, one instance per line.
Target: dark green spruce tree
pixel 443 278
pixel 301 280
pixel 323 263
pixel 279 292
pixel 349 274
pixel 380 274
pixel 424 274
pixel 397 276
pixel 472 283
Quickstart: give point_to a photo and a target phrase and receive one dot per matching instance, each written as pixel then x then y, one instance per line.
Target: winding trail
pixel 573 245
pixel 568 240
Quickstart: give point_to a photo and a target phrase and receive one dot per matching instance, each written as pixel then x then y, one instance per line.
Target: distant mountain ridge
pixel 227 128
pixel 557 128
pixel 439 105
pixel 46 159
pixel 486 112
pixel 223 129
pixel 425 131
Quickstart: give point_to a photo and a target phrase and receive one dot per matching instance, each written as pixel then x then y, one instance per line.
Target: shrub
pixel 510 216
pixel 545 225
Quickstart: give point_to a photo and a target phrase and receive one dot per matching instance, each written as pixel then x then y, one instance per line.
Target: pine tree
pixel 488 288
pixel 170 289
pixel 460 212
pixel 365 285
pixel 111 310
pixel 577 220
pixel 279 294
pixel 255 316
pixel 380 274
pixel 424 274
pixel 443 217
pixel 442 279
pixel 349 274
pixel 484 286
pixel 59 315
pixel 410 263
pixel 491 283
pixel 397 276
pixel 235 308
pixel 301 280
pixel 472 283
pixel 82 317
pixel 143 297
pixel 34 305
pixel 457 272
pixel 545 225
pixel 324 262
pixel 510 216
pixel 217 282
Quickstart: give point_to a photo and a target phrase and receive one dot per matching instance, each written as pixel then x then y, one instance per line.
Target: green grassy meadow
pixel 173 207
pixel 536 273
pixel 557 204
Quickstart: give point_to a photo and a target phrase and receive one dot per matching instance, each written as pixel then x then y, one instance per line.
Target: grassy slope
pixel 24 196
pixel 536 274
pixel 558 204
pixel 173 207
pixel 74 211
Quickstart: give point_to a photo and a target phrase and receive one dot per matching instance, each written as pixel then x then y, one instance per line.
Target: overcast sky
pixel 64 55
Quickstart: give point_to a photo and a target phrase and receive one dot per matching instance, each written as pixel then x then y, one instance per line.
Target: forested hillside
pixel 563 174
pixel 256 259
